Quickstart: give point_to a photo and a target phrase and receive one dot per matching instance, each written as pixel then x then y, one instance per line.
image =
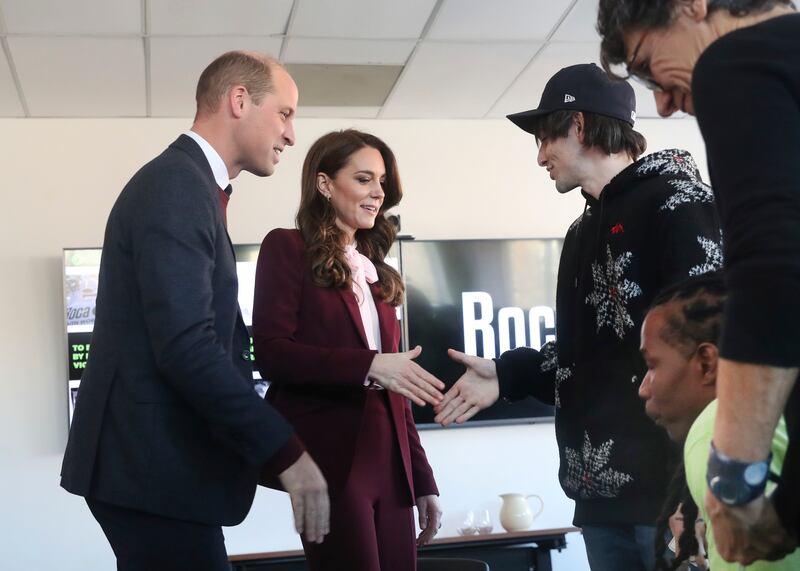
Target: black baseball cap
pixel 582 87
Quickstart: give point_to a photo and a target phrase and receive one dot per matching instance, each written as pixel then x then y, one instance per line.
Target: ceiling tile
pixel 344 85
pixel 359 52
pixel 456 80
pixel 10 105
pixel 102 17
pixel 176 65
pixel 527 90
pixel 498 20
pixel 579 26
pixel 81 77
pixel 212 17
pixel 387 19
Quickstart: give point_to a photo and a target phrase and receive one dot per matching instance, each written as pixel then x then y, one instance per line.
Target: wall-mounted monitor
pixel 482 297
pixel 81 270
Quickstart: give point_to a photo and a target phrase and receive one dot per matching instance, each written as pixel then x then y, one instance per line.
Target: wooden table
pixel 521 550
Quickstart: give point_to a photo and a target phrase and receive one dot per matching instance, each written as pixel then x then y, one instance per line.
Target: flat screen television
pixel 484 296
pixel 481 297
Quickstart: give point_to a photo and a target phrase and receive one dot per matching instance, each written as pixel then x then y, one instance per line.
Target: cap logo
pixel 568 98
pixel 633 115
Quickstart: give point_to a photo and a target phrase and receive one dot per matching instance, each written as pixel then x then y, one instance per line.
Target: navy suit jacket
pixel 167 420
pixel 311 345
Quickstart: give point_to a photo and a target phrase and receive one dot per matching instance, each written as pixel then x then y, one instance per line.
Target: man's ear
pixel 708 355
pixel 697 10
pixel 237 99
pixel 578 120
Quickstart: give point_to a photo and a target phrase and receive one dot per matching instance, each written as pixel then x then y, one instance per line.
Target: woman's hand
pixel 398 373
pixel 430 518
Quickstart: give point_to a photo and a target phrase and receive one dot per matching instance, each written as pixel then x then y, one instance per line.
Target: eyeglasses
pixel 642 75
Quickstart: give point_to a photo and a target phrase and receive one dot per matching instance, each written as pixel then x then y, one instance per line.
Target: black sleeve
pixel 746 95
pixel 524 372
pixel 747 99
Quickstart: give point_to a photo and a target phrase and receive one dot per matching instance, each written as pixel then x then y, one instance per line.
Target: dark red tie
pixel 224 197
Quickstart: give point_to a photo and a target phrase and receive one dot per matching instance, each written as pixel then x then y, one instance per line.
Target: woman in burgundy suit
pixel 326 337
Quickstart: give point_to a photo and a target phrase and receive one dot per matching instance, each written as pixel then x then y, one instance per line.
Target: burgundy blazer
pixel 311 346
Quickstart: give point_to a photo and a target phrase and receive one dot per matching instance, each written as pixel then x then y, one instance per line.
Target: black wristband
pixel 735 483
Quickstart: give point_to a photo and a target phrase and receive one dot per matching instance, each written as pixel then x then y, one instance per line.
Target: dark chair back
pixel 450 564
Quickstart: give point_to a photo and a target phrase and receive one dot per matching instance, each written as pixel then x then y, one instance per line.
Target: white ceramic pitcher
pixel 516 515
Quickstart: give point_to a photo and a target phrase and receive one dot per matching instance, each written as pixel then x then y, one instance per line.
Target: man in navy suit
pixel 169 435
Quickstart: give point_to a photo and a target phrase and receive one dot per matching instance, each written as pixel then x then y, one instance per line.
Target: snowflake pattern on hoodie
pixel 550 363
pixel 588 473
pixel 612 292
pixel 688 191
pixel 668 162
pixel 713 251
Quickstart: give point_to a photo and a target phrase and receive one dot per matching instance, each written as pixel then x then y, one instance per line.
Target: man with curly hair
pixel 735 64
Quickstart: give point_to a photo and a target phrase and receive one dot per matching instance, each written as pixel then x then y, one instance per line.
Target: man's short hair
pixel 700 302
pixel 610 135
pixel 252 70
pixel 615 18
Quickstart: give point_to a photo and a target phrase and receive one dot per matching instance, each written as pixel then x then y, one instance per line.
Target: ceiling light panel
pixel 314 112
pixel 357 52
pixel 323 85
pixel 377 19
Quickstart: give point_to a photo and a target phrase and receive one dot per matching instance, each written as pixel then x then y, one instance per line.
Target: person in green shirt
pixel 679 345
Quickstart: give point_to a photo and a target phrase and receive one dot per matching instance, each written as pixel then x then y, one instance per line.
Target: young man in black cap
pixel 647 223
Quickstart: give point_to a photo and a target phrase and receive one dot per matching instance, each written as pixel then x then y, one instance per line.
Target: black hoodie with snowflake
pixel 654 224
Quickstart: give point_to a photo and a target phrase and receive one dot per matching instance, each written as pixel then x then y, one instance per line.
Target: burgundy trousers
pixel 372 524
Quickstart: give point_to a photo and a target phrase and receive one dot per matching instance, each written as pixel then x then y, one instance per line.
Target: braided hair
pixel 697 319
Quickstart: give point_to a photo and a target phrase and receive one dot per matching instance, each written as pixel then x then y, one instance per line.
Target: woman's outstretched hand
pixel 399 373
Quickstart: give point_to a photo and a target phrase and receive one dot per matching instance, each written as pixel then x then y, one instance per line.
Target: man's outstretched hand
pixel 477 389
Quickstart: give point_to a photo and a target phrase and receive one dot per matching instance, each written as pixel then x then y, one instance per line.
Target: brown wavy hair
pixel 316 218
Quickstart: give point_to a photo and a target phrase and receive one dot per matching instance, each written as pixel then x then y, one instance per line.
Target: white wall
pixel 463 179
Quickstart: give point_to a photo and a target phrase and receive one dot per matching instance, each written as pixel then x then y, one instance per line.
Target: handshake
pixel 477 388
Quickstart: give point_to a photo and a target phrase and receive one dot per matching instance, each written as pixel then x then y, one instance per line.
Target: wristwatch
pixel 735 483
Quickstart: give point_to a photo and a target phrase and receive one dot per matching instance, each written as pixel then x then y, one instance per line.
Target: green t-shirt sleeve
pixel 695 459
pixel 695 455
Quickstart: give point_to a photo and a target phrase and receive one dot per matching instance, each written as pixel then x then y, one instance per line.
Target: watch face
pixel 727 492
pixel 755 474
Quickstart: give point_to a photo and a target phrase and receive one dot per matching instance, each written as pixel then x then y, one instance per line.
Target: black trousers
pixel 147 542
